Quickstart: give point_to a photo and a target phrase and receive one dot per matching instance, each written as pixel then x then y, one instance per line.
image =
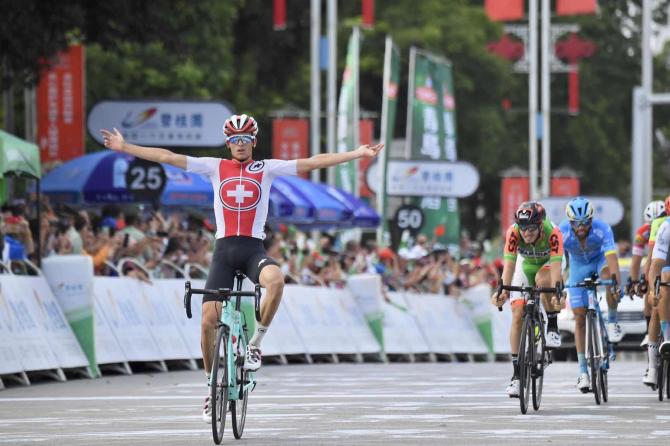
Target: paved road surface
pixel 345 404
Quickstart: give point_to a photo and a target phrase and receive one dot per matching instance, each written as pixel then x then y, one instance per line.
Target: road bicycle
pixel 599 349
pixel 230 384
pixel 533 355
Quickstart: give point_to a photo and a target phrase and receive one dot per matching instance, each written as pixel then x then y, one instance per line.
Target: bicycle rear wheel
pixel 219 396
pixel 666 369
pixel 593 361
pixel 526 350
pixel 538 364
pixel 238 408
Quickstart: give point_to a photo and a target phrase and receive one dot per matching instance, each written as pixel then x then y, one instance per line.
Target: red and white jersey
pixel 641 239
pixel 241 191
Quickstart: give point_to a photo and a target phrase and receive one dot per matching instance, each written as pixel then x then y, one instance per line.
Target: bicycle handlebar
pixel 222 294
pixel 557 290
pixel 592 282
pixel 658 284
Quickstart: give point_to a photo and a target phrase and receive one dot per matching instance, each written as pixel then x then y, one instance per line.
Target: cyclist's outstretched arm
pixel 324 160
pixel 114 140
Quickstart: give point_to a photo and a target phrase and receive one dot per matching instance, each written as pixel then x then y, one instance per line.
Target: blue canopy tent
pixel 363 215
pixel 100 178
pixel 330 213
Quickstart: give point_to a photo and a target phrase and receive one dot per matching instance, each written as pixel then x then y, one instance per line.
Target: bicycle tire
pixel 525 360
pixel 538 368
pixel 667 378
pixel 219 396
pixel 660 378
pixel 594 364
pixel 604 366
pixel 238 407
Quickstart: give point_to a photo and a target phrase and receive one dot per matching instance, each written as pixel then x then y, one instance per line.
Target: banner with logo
pixel 513 192
pixel 347 115
pixel 389 107
pixel 431 134
pixel 60 107
pixel 162 123
pixel 290 139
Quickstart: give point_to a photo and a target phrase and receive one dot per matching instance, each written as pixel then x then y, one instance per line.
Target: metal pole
pixel 532 98
pixel 646 109
pixel 357 105
pixel 315 90
pixel 386 139
pixel 410 103
pixel 331 116
pixel 546 99
pixel 637 162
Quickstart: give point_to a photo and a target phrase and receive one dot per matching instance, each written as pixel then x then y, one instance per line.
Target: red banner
pixel 60 108
pixel 368 13
pixel 514 191
pixel 573 7
pixel 290 139
pixel 279 15
pixel 564 187
pixel 501 10
pixel 365 130
pixel 573 91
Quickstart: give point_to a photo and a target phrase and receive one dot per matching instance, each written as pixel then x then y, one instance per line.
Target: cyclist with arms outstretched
pixel 589 248
pixel 241 197
pixel 533 255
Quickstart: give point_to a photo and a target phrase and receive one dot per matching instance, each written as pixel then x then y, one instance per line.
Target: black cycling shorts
pixel 246 254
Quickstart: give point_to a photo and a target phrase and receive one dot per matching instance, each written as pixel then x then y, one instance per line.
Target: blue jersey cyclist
pixel 589 247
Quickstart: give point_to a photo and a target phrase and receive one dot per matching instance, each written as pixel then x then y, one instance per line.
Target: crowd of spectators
pixel 163 242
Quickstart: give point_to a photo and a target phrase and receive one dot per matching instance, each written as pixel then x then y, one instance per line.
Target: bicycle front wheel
pixel 525 359
pixel 594 359
pixel 238 408
pixel 538 364
pixel 219 396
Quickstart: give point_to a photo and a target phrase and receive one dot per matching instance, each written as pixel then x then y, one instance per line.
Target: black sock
pixel 552 322
pixel 648 319
pixel 515 364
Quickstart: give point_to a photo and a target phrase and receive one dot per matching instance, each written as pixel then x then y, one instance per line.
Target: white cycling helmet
pixel 653 210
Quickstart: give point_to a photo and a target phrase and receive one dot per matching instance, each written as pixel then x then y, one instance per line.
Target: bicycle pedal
pixel 587 390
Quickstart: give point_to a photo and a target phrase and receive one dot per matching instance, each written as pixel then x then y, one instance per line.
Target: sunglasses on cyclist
pixel 241 139
pixel 584 223
pixel 529 228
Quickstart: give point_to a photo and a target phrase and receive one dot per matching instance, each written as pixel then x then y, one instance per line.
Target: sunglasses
pixel 241 139
pixel 529 228
pixel 578 223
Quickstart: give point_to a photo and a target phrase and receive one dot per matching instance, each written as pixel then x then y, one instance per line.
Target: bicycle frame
pixel 234 322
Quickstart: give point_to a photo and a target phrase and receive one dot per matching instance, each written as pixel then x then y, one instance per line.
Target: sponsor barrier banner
pixel 124 314
pixel 402 334
pixel 423 307
pixel 477 300
pixel 155 310
pixel 71 280
pixel 10 351
pixel 170 294
pixel 367 292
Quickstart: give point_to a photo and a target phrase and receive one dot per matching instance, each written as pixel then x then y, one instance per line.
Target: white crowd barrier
pixel 134 321
pixel 36 327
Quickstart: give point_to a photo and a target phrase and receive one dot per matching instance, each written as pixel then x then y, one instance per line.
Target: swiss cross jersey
pixel 641 239
pixel 241 191
pixel 599 241
pixel 548 247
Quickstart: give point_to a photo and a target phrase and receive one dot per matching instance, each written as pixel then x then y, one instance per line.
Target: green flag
pixel 431 134
pixel 347 117
pixel 389 105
